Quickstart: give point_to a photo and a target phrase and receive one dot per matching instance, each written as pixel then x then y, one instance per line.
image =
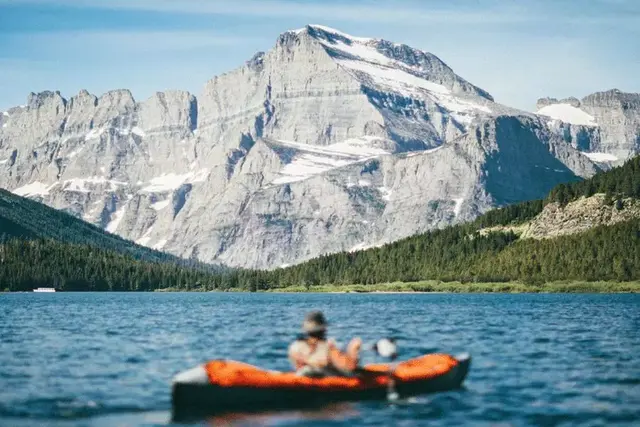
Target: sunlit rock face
pixel 326 143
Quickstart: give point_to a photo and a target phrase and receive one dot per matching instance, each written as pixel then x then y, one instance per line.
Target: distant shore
pixel 458 287
pixel 452 287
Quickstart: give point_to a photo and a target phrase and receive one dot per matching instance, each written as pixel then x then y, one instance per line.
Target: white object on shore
pixel 44 290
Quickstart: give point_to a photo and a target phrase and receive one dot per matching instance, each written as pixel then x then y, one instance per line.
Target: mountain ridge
pixel 325 143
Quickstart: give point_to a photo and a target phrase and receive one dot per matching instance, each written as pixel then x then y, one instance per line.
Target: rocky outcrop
pixel 325 143
pixel 545 102
pixel 579 216
pixel 575 217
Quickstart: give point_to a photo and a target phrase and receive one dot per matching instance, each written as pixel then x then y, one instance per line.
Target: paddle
pixel 386 347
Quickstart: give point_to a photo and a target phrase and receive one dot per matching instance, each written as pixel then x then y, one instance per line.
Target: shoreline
pixel 430 287
pixel 437 287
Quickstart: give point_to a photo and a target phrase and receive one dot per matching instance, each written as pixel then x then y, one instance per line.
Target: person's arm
pixel 347 361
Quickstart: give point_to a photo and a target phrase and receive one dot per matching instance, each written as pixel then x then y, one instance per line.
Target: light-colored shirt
pixel 316 356
pixel 319 359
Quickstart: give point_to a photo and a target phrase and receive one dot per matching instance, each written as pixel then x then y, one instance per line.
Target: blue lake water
pixel 73 359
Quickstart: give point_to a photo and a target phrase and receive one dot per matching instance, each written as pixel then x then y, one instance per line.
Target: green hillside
pixel 41 246
pixel 25 219
pixel 25 264
pixel 459 254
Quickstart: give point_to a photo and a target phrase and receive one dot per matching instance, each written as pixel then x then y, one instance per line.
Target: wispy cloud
pixel 400 11
pixel 407 12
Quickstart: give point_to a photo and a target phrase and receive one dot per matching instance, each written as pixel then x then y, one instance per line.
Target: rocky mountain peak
pixel 613 98
pixel 545 102
pixel 256 62
pixel 332 34
pixel 47 97
pixel 84 99
pixel 373 57
pixel 604 125
pixel 327 142
pixel 120 97
pixel 608 98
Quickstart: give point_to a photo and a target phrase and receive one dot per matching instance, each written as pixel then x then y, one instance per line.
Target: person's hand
pixel 355 345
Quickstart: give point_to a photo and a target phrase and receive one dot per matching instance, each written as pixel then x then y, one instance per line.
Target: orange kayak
pixel 226 385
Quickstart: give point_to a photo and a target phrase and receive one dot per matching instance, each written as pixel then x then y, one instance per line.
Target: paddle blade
pixel 386 348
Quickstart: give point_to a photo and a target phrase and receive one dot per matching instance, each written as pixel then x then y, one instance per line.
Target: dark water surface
pixel 71 359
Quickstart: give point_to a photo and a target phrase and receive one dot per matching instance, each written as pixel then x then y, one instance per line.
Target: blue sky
pixel 517 50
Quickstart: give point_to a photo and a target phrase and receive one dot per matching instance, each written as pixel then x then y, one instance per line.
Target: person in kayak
pixel 313 355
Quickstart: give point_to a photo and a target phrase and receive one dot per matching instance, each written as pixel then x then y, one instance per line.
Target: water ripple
pixel 107 359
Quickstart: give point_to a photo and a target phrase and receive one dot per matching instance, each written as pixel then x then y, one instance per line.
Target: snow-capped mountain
pixel 327 142
pixel 605 126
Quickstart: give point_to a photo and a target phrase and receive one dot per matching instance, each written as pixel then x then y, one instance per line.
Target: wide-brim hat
pixel 314 322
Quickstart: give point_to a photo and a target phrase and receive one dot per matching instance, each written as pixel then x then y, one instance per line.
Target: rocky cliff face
pixel 326 143
pixel 604 125
pixel 573 218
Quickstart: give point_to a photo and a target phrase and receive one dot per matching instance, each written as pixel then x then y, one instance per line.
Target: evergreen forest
pixel 40 246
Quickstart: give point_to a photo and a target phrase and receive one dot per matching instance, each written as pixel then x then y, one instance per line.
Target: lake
pixel 107 359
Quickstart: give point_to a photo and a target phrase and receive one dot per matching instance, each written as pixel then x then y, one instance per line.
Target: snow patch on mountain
pixel 158 206
pixel 112 227
pixel 34 189
pixel 134 130
pixel 361 56
pixel 601 157
pixel 172 181
pixel 95 133
pixel 314 160
pixel 458 206
pixel 339 33
pixel 146 237
pixel 359 183
pixel 80 184
pixel 461 109
pixel 422 152
pixel 386 193
pixel 74 153
pixel 568 114
pixel 393 78
pixel 160 244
